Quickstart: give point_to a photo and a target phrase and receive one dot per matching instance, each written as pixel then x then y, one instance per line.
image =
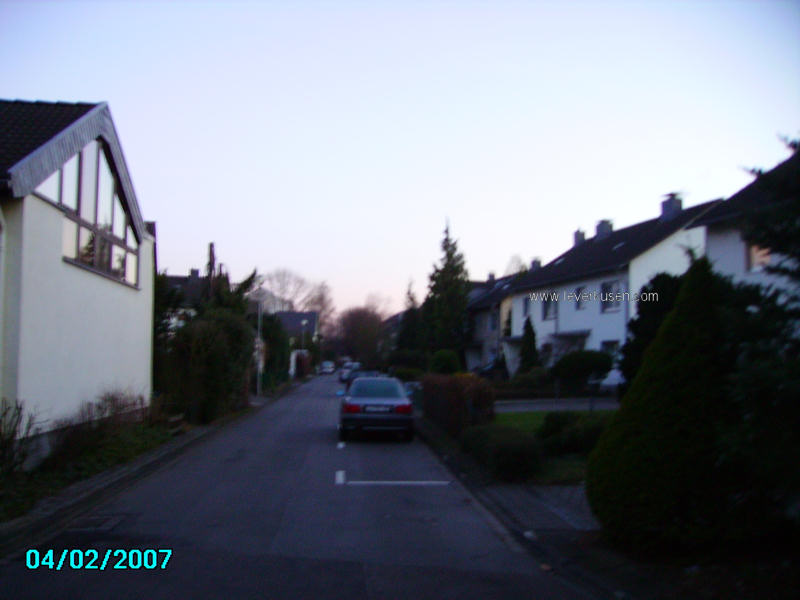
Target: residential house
pixel 299 325
pixel 584 298
pixel 487 315
pixel 76 261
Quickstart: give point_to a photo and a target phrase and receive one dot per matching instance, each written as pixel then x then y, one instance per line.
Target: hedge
pixel 510 454
pixel 455 402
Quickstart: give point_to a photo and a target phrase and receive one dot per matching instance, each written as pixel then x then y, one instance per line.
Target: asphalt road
pixel 273 506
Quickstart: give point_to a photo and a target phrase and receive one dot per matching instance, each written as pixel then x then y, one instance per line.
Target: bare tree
pixel 361 333
pixel 319 300
pixel 287 285
pixel 378 304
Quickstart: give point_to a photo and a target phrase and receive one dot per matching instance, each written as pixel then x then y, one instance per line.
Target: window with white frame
pixel 97 231
pixel 550 307
pixel 580 300
pixel 610 296
pixel 526 305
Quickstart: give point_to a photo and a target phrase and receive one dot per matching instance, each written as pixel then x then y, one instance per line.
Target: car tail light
pixel 347 407
pixel 403 409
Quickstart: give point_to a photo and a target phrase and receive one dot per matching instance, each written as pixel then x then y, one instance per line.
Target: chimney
pixel 580 237
pixel 671 206
pixel 536 263
pixel 491 277
pixel 604 229
pixel 194 273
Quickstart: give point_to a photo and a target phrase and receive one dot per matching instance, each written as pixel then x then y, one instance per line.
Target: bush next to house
pixel 211 356
pixel 445 362
pixel 651 479
pixel 510 454
pixel 455 402
pixel 408 374
pixel 412 359
pixel 575 369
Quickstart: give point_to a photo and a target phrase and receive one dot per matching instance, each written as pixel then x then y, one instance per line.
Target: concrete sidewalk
pixel 556 525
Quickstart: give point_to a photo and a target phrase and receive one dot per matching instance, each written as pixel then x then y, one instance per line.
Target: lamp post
pixel 259 296
pixel 303 333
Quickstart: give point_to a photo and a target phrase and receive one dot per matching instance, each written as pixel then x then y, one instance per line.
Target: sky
pixel 336 139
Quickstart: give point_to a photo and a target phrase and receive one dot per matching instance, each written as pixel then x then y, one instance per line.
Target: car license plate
pixel 381 409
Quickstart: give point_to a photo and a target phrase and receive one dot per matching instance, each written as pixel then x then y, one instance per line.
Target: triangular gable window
pixel 97 231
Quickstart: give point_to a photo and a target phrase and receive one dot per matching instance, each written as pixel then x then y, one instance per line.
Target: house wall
pixel 79 334
pixel 728 254
pixel 602 326
pixel 668 256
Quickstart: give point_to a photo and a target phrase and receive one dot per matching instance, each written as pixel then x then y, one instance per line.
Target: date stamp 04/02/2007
pixel 93 560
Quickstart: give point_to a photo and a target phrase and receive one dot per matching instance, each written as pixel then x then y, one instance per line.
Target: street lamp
pixel 259 296
pixel 303 333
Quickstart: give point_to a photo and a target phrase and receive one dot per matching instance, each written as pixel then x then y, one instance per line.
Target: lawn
pixel 556 468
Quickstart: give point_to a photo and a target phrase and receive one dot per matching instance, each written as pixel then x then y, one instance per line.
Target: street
pixel 273 506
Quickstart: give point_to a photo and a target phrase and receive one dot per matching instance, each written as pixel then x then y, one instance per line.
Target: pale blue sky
pixel 335 138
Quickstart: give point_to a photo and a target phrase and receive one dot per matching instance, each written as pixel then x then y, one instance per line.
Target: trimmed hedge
pixel 575 368
pixel 510 454
pixel 567 432
pixel 455 402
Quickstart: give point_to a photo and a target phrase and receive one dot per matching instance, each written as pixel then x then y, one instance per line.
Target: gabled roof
pixel 611 252
pixel 293 322
pixel 755 194
pixel 494 293
pixel 37 138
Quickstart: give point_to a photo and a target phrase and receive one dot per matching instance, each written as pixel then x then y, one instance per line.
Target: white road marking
pixel 340 445
pixel 339 478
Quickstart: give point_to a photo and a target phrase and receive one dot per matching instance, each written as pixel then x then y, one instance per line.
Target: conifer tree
pixel 446 313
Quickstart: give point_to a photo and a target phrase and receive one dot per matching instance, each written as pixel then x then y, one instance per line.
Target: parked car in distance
pixel 356 373
pixel 327 367
pixel 376 404
pixel 347 369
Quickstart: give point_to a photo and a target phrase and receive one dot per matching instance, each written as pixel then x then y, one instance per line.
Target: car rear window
pixel 376 389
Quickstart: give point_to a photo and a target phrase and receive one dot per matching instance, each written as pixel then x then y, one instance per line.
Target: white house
pixel 76 261
pixel 584 298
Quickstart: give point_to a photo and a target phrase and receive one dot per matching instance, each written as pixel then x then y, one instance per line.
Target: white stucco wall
pixel 668 256
pixel 80 334
pixel 728 254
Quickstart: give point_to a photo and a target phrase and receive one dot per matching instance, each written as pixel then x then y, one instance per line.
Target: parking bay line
pixel 341 479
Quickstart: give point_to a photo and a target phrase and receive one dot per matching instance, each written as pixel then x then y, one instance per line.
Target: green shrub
pixel 572 433
pixel 556 422
pixel 408 374
pixel 510 454
pixel 531 379
pixel 15 430
pixel 211 357
pixel 651 479
pixel 575 368
pixel 457 401
pixel 445 362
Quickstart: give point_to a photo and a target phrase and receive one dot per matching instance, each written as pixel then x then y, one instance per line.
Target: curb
pixel 466 470
pixel 51 515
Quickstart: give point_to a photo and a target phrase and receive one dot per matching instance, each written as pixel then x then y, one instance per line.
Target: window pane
pixel 88 181
pixel 69 238
pixel 119 218
pixel 131 269
pixel 103 254
pixel 131 239
pixel 86 249
pixel 118 261
pixel 69 183
pixel 49 187
pixel 105 193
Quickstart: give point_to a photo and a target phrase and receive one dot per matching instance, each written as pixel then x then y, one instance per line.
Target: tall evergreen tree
pixel 529 354
pixel 408 338
pixel 447 298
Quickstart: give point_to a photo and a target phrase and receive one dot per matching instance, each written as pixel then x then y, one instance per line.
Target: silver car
pixel 376 404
